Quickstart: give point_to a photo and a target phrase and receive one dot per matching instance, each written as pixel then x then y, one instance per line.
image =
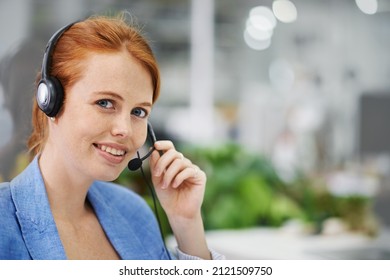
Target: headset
pixel 50 97
pixel 50 93
pixel 136 163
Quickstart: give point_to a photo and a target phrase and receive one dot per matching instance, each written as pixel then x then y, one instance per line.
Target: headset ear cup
pixel 50 96
pixel 58 96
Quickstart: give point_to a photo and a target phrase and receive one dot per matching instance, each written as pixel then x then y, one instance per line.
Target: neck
pixel 67 192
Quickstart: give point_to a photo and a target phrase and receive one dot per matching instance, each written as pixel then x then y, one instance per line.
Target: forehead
pixel 117 72
pixel 117 65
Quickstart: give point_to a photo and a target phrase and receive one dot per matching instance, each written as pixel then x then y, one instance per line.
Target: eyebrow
pixel 117 96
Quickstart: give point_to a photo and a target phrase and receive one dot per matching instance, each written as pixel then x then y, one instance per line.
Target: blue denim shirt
pixel 28 230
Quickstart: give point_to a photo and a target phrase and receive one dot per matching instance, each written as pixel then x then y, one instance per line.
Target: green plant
pixel 244 190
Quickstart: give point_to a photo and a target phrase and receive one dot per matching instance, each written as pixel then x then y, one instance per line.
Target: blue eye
pixel 105 103
pixel 139 112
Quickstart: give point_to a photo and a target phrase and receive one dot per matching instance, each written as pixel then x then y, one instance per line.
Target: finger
pixel 166 160
pixel 164 145
pixel 163 161
pixel 155 156
pixel 181 156
pixel 195 171
pixel 176 167
pixel 189 173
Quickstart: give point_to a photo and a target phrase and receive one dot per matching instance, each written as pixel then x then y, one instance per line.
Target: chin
pixel 108 176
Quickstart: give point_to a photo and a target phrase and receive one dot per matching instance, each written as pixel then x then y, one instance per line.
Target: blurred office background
pixel 284 103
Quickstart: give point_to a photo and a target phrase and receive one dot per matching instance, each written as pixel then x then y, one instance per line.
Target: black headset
pixel 50 93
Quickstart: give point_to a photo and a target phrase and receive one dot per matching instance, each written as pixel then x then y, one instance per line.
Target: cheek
pixel 81 128
pixel 139 139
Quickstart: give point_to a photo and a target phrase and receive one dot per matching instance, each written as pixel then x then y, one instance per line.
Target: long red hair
pixel 96 34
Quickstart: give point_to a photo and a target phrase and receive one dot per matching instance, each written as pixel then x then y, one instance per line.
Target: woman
pixel 61 206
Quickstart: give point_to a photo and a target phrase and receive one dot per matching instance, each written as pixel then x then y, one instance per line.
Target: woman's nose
pixel 121 126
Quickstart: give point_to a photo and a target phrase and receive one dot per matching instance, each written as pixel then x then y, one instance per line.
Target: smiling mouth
pixel 110 150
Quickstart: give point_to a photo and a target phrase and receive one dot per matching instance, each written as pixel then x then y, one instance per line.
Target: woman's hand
pixel 179 184
pixel 180 187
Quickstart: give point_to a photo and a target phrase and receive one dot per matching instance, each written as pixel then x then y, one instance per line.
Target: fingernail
pixel 164 186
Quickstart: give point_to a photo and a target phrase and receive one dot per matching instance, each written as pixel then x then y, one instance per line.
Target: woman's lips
pixel 113 154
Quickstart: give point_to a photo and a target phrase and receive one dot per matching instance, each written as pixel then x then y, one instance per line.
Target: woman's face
pixel 104 121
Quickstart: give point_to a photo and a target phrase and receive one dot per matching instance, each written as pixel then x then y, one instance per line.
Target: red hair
pixel 97 34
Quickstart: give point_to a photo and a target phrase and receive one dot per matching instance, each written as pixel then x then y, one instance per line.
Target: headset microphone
pixel 136 163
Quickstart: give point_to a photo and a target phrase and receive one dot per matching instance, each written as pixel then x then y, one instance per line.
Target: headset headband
pixel 47 57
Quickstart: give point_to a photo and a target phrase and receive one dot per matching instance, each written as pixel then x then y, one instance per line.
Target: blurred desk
pixel 267 243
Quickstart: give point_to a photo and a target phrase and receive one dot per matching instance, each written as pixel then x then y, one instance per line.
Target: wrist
pixel 190 235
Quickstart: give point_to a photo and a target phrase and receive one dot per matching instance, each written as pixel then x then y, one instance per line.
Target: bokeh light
pixel 285 11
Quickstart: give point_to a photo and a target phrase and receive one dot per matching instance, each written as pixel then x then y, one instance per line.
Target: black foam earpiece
pixel 50 93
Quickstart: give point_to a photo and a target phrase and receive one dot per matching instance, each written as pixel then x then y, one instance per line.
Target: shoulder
pixel 11 241
pixel 3 188
pixel 5 194
pixel 6 205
